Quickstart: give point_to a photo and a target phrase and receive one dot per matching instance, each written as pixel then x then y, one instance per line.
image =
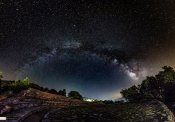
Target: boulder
pixel 16 108
pixel 7 109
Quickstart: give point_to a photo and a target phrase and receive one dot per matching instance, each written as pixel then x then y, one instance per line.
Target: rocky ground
pixel 75 110
pixel 148 111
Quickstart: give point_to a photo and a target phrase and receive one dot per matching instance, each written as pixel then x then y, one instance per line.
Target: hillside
pixel 32 100
pixel 41 98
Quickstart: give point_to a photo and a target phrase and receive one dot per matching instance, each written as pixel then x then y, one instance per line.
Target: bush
pixel 121 101
pixel 46 89
pixel 75 95
pixel 53 91
pixel 108 102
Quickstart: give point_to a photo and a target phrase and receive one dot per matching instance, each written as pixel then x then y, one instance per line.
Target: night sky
pixel 94 47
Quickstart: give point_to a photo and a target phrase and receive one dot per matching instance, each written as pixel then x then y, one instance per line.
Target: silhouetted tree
pixel 125 93
pixel 53 91
pixel 41 88
pixel 169 93
pixel 46 89
pixel 75 95
pixel 149 88
pixel 35 86
pixel 131 93
pixel 60 92
pixel 64 92
pixel 166 79
pixel 108 102
pixel 121 101
pixel 161 87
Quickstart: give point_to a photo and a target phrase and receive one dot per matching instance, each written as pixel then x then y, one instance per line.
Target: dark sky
pixel 96 48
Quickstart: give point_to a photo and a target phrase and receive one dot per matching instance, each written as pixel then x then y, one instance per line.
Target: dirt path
pixel 37 117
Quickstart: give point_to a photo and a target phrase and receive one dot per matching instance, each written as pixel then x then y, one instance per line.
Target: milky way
pixel 96 48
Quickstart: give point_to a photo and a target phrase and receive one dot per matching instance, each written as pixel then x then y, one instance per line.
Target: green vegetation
pixel 75 95
pixel 53 91
pixel 46 89
pixel 26 81
pixel 160 87
pixel 108 102
pixel 112 102
pixel 16 86
pixel 64 92
pixel 121 101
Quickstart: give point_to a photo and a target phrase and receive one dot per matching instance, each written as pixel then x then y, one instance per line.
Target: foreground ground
pixel 148 110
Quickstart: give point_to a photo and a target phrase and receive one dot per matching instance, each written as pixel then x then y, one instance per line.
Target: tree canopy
pixel 53 91
pixel 26 81
pixel 17 86
pixel 75 95
pixel 46 89
pixel 1 75
pixel 160 86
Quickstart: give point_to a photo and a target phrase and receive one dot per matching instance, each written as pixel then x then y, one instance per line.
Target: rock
pixel 169 117
pixel 15 100
pixel 30 105
pixel 7 109
pixel 16 108
pixel 163 114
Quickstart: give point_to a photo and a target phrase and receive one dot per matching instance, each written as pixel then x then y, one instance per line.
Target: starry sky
pixel 94 47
